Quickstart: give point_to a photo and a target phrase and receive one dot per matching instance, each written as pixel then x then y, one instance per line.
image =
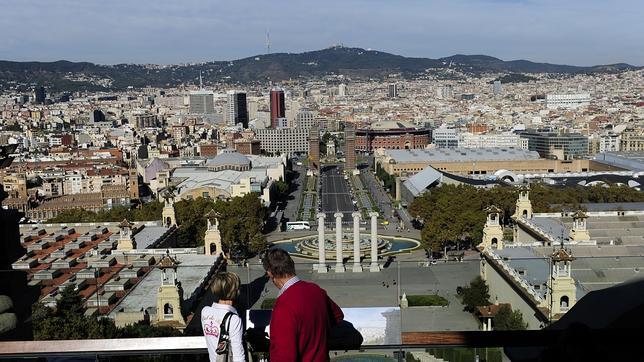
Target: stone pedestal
pixel 374 267
pixel 357 267
pixel 321 267
pixel 339 265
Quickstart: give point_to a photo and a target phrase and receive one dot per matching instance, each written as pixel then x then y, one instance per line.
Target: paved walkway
pixel 382 289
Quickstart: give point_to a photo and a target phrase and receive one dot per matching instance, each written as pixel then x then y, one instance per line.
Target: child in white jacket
pixel 225 287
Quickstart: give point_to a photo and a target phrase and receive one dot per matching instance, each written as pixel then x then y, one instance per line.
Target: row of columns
pixel 339 264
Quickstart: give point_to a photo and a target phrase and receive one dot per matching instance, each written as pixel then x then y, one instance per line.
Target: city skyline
pixel 573 33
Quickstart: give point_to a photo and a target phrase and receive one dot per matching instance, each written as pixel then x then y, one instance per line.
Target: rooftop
pixel 461 155
pixel 228 158
pixel 190 272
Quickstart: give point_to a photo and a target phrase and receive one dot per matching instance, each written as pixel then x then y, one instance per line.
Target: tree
pixel 455 214
pixel 507 319
pixel 279 190
pixel 388 180
pixel 142 329
pixel 190 216
pixel 68 321
pixel 242 220
pixel 476 294
pixel 147 212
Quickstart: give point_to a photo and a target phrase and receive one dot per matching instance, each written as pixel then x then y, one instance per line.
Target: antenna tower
pixel 268 42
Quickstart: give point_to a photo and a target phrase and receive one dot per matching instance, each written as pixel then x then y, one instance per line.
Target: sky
pixel 575 32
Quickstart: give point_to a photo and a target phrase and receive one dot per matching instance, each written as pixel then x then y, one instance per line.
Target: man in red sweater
pixel 303 313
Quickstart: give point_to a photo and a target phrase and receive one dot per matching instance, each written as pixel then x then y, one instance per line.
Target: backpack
pixel 223 346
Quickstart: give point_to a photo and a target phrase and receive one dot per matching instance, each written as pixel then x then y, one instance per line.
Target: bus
pixel 298 225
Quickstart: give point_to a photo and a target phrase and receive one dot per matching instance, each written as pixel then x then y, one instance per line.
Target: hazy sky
pixel 579 32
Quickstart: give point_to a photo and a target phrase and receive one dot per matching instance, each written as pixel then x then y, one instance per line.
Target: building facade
pixel 567 101
pixel 392 90
pixel 391 135
pixel 555 145
pixel 202 102
pixel 314 148
pixel 278 107
pixel 283 140
pixel 236 108
pixel 470 140
pixel 444 137
pixel 350 144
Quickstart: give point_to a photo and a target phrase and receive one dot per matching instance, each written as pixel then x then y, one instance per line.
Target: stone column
pixel 356 243
pixel 339 266
pixel 321 246
pixel 374 267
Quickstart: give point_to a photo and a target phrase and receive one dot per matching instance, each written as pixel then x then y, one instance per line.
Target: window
pixel 168 311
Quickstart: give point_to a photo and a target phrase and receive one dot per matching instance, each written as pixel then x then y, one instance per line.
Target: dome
pixel 229 159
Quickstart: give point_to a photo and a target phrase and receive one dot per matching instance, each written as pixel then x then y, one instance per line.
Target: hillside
pixel 352 62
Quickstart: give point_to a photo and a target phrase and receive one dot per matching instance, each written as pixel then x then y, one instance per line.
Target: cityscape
pixel 457 208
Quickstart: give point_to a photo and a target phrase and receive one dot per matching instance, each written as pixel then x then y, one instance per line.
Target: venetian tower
pixel 168 213
pixel 168 295
pixel 563 292
pixel 212 239
pixel 492 231
pixel 579 232
pixel 125 240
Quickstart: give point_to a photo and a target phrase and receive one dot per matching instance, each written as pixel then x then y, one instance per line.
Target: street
pixel 335 194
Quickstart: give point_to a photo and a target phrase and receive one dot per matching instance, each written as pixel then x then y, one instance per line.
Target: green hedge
pixel 426 300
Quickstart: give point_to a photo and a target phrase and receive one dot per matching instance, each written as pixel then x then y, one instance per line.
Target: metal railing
pixel 613 338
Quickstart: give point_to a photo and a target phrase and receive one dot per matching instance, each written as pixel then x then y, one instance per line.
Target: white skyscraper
pixel 496 87
pixel 342 90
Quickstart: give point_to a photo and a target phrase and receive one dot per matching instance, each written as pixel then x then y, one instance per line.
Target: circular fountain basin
pixel 308 247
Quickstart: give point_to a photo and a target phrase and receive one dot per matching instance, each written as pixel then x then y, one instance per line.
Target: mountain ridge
pixel 353 62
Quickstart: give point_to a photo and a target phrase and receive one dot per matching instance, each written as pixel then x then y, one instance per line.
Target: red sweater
pixel 300 324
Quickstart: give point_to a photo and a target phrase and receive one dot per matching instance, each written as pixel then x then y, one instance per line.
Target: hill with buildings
pixel 352 62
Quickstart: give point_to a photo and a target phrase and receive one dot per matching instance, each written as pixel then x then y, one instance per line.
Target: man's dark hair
pixel 279 263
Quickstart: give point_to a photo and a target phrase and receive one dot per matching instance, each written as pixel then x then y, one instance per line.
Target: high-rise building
pixel 40 95
pixel 445 92
pixel 350 145
pixel 305 118
pixel 342 90
pixel 496 87
pixel 392 90
pixel 314 149
pixel 202 102
pixel 278 108
pixel 237 109
pixel 283 140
